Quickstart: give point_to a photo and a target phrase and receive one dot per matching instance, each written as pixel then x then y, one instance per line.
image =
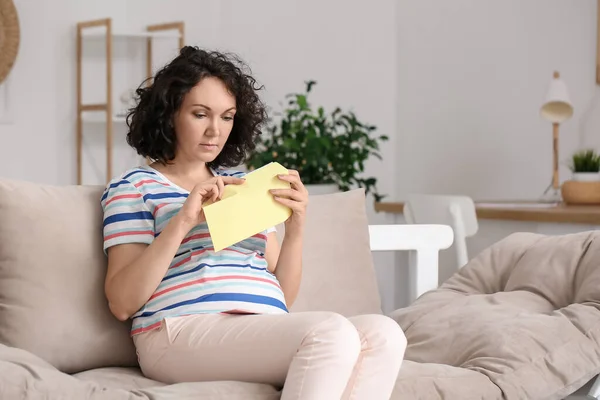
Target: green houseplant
pixel 325 148
pixel 584 187
pixel 585 165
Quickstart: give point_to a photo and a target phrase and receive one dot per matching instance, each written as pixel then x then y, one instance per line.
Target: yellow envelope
pixel 247 209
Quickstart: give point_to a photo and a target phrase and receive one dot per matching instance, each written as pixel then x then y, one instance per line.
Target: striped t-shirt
pixel 138 205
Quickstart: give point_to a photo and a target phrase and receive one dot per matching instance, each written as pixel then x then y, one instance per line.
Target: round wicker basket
pixel 574 192
pixel 9 37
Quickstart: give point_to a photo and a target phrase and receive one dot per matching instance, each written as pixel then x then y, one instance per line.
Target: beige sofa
pixel 520 321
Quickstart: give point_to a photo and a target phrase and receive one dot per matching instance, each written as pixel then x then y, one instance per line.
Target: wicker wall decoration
pixel 9 37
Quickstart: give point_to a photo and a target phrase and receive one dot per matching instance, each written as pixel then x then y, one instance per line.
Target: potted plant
pixel 329 150
pixel 584 188
pixel 585 166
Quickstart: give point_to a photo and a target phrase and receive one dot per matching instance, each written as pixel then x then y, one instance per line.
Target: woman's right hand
pixel 191 213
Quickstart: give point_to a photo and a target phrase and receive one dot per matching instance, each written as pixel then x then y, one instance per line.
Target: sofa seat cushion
pixel 118 378
pixel 525 313
pixel 132 380
pixel 26 376
pixel 441 382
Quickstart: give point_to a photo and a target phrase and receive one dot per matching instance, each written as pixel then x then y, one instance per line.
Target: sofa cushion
pixel 132 380
pixel 118 378
pixel 52 271
pixel 525 313
pixel 25 376
pixel 337 269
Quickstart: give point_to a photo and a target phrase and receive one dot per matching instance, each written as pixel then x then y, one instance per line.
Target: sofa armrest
pixel 423 242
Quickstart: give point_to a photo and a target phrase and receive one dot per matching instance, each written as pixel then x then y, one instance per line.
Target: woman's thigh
pixel 253 348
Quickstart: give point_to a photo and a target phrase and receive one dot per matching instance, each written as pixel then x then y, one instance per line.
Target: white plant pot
pixel 586 176
pixel 315 190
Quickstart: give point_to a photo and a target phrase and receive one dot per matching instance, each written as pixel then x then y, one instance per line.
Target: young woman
pixel 201 315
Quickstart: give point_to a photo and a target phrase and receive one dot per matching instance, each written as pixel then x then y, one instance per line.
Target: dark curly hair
pixel 151 129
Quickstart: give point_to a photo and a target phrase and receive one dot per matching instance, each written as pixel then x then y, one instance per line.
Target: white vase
pixel 318 189
pixel 586 176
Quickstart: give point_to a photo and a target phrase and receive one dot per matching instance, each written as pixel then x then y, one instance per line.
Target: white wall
pixel 457 85
pixel 471 78
pixel 40 143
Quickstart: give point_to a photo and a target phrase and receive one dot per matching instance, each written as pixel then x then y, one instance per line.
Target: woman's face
pixel 204 121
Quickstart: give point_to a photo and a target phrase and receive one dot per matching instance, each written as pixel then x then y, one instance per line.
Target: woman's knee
pixel 380 331
pixel 339 334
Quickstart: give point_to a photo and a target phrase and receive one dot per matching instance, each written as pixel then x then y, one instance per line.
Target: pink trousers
pixel 313 355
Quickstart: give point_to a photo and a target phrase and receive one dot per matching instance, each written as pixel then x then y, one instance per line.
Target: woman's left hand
pixel 296 198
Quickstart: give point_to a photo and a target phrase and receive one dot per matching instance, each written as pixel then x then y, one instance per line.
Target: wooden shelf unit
pixel 89 29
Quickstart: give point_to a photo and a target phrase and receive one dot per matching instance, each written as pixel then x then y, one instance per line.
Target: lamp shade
pixel 557 107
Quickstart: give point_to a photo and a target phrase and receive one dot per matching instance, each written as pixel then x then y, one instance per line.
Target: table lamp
pixel 557 108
